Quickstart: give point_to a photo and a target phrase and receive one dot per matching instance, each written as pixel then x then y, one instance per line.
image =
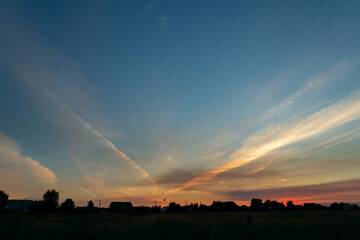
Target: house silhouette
pixel 120 206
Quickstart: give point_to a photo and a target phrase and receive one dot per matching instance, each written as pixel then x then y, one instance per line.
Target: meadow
pixel 233 225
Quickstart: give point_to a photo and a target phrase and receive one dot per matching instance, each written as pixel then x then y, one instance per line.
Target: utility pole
pixel 99 202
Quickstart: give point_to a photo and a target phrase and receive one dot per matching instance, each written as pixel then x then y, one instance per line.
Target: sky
pixel 172 100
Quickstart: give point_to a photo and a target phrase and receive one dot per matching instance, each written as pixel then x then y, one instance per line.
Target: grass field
pixel 236 225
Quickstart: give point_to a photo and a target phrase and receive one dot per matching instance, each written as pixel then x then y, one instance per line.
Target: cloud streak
pixel 148 10
pixel 104 167
pixel 333 74
pixel 96 133
pixel 268 140
pixel 342 138
pixel 164 21
pixel 326 192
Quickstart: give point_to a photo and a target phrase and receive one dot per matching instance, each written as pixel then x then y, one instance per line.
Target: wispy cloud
pixel 164 21
pixel 173 177
pixel 342 138
pixel 105 168
pixel 327 192
pixel 315 83
pixel 149 8
pixel 21 176
pixel 276 137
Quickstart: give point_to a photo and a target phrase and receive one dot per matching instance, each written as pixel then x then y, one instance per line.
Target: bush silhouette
pixel 49 203
pixel 290 204
pixel 275 205
pixel 174 207
pixel 90 204
pixel 3 199
pixel 256 204
pixel 68 205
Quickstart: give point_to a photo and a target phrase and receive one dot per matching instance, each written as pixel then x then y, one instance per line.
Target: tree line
pixel 50 204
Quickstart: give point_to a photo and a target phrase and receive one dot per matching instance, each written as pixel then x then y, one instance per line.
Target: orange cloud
pixel 268 140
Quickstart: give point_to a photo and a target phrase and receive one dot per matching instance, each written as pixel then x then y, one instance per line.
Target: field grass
pixel 237 225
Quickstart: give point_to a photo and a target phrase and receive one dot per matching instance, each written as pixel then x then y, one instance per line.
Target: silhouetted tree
pixel 290 204
pixel 68 205
pixel 194 207
pixel 203 208
pixel 51 200
pixel 267 204
pixel 3 199
pixel 90 204
pixel 335 206
pixel 174 207
pixel 256 204
pixel 275 205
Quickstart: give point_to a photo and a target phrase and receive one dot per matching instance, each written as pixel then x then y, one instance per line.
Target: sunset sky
pixel 180 100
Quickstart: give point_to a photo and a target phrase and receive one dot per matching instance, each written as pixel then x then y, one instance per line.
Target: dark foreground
pixel 238 225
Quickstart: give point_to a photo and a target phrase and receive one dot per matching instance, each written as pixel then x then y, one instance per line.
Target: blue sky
pixel 145 100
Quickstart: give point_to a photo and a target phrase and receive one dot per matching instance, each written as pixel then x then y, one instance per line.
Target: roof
pixel 309 204
pixel 121 205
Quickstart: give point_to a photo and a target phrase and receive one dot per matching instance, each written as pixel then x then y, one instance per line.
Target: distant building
pixel 187 208
pixel 121 206
pixel 86 209
pixel 309 206
pixel 224 206
pixel 18 205
pixel 297 207
pixel 203 208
